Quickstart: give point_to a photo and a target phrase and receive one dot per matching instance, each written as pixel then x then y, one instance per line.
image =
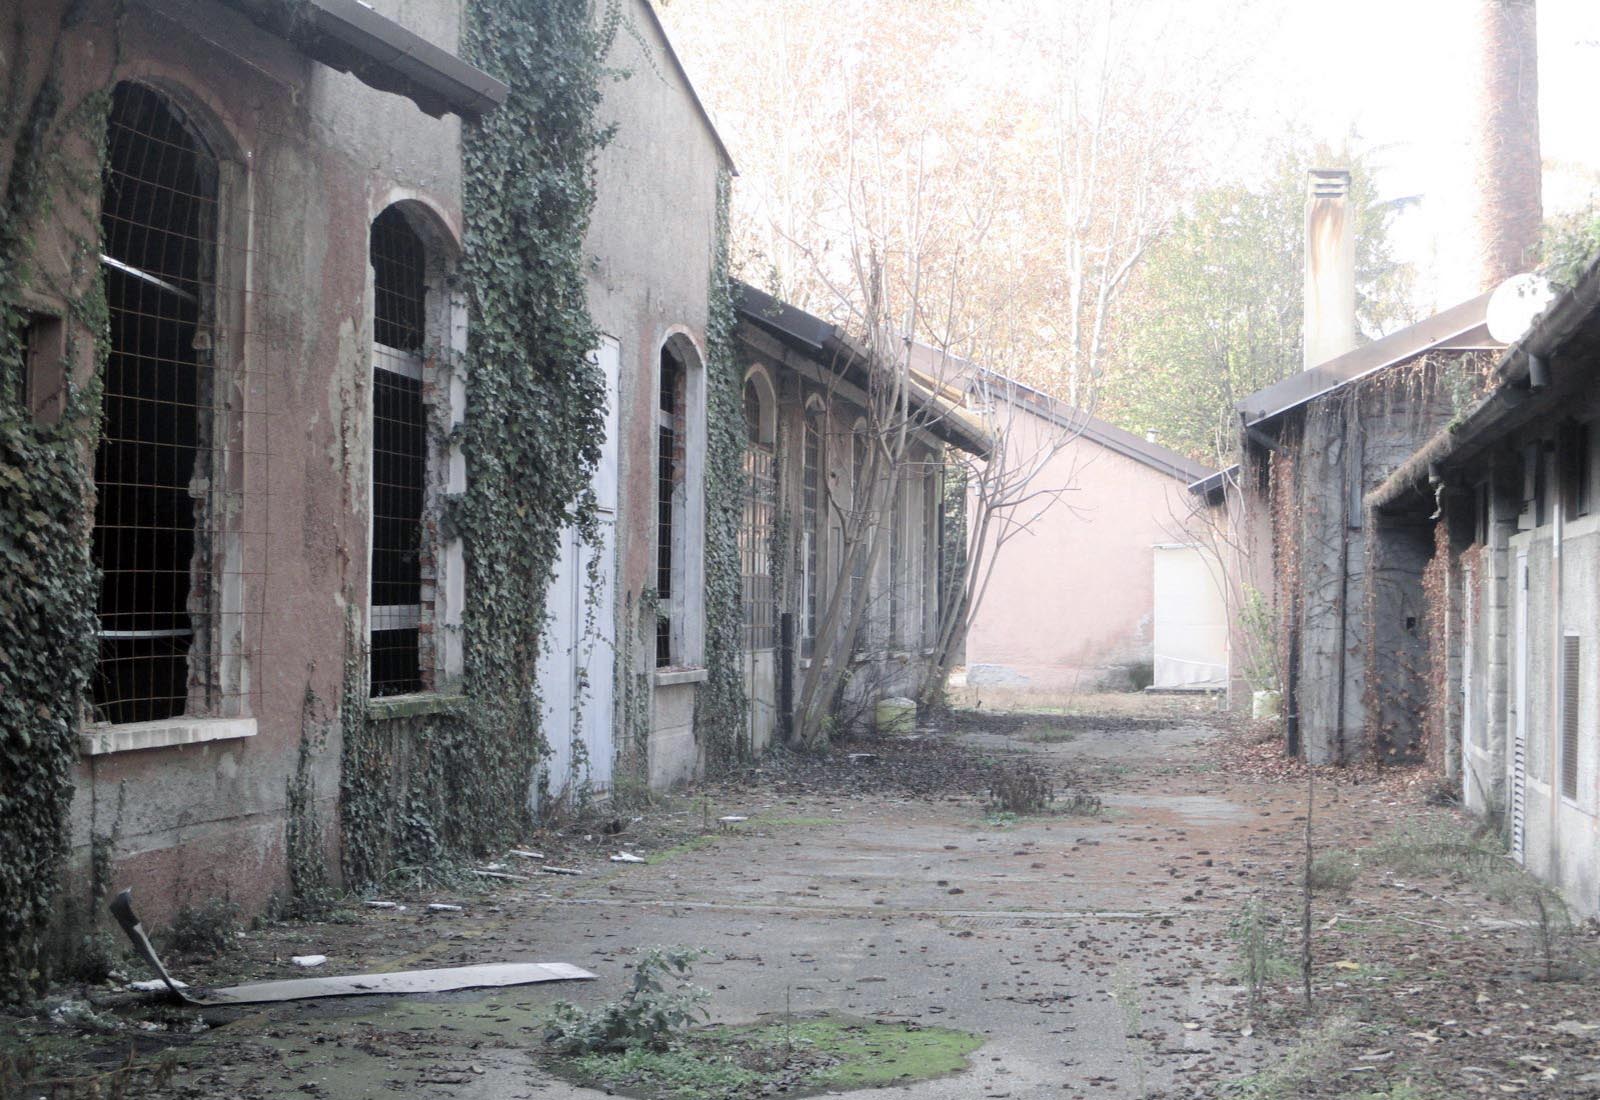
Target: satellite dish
pixel 1514 305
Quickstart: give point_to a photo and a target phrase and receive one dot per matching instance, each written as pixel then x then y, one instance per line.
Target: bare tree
pixel 1007 492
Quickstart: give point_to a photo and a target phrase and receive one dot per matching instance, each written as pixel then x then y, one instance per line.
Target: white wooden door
pixel 577 665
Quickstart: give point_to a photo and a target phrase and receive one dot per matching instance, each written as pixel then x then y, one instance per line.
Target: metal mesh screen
pixel 179 542
pixel 668 466
pixel 399 283
pixel 755 546
pixel 399 455
pixel 810 502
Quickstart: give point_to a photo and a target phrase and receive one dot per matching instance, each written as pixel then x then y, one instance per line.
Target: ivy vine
pixel 531 441
pixel 721 708
pixel 48 601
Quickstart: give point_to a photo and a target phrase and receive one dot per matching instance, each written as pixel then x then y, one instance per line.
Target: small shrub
pixel 1263 958
pixel 1079 803
pixel 1020 790
pixel 204 929
pixel 646 1017
pixel 1333 873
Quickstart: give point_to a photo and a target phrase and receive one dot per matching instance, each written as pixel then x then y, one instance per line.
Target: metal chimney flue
pixel 1330 292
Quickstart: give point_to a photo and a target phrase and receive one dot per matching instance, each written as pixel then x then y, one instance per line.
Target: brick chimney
pixel 1330 295
pixel 1508 210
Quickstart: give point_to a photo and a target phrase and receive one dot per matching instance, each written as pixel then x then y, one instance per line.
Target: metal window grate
pixel 668 475
pixel 153 462
pixel 399 465
pixel 755 546
pixel 810 501
pixel 399 456
pixel 1571 650
pixel 399 282
pixel 181 467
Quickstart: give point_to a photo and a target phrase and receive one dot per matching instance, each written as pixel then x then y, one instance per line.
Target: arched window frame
pixel 680 504
pixel 219 665
pixel 759 513
pixel 436 400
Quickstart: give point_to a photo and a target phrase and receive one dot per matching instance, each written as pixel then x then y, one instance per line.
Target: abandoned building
pixel 1313 445
pixel 1132 601
pixel 809 512
pixel 283 387
pixel 1490 536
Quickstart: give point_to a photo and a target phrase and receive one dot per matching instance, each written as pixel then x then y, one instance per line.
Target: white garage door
pixel 1191 635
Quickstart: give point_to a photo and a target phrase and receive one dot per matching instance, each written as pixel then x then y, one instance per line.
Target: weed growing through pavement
pixel 1020 789
pixel 1263 955
pixel 204 930
pixel 1476 856
pixel 1307 1060
pixel 661 1004
pixel 1333 873
pixel 1125 991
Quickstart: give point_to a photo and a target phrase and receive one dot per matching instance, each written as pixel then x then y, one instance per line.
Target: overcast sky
pixel 1399 72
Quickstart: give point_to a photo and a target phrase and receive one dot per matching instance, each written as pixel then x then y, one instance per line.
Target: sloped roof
pixel 1568 331
pixel 1092 428
pixel 832 349
pixel 694 96
pixel 1461 327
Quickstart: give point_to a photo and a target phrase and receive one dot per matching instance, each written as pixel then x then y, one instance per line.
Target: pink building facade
pixel 1071 603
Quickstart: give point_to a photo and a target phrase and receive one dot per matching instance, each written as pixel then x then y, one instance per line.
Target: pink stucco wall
pixel 1070 605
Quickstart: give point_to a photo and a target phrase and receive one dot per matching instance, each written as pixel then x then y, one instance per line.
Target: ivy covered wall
pixel 720 715
pixel 47 645
pixel 420 786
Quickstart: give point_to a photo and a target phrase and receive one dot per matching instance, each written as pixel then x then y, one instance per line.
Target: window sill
pixel 416 705
pixel 670 677
pixel 168 733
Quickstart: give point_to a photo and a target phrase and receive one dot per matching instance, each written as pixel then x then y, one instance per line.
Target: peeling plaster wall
pixel 322 154
pixel 650 242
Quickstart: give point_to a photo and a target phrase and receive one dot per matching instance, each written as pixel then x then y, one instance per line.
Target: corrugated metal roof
pixel 1459 327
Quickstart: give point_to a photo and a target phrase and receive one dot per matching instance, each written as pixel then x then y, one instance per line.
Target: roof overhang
pixel 832 350
pixel 1564 341
pixel 1213 487
pixel 1083 423
pixel 351 37
pixel 1462 327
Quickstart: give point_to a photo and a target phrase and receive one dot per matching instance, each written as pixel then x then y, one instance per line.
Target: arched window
pixel 153 468
pixel 405 290
pixel 760 500
pixel 680 504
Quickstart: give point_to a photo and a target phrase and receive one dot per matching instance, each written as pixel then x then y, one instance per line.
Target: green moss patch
pixel 800 1057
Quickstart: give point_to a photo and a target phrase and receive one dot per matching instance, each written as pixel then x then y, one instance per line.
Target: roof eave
pixel 349 36
pixel 1444 330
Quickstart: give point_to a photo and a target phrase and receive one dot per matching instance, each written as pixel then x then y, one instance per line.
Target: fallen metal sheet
pixel 441 980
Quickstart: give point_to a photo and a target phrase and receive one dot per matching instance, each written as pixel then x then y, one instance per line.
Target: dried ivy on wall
pixel 48 601
pixel 721 708
pixel 430 786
